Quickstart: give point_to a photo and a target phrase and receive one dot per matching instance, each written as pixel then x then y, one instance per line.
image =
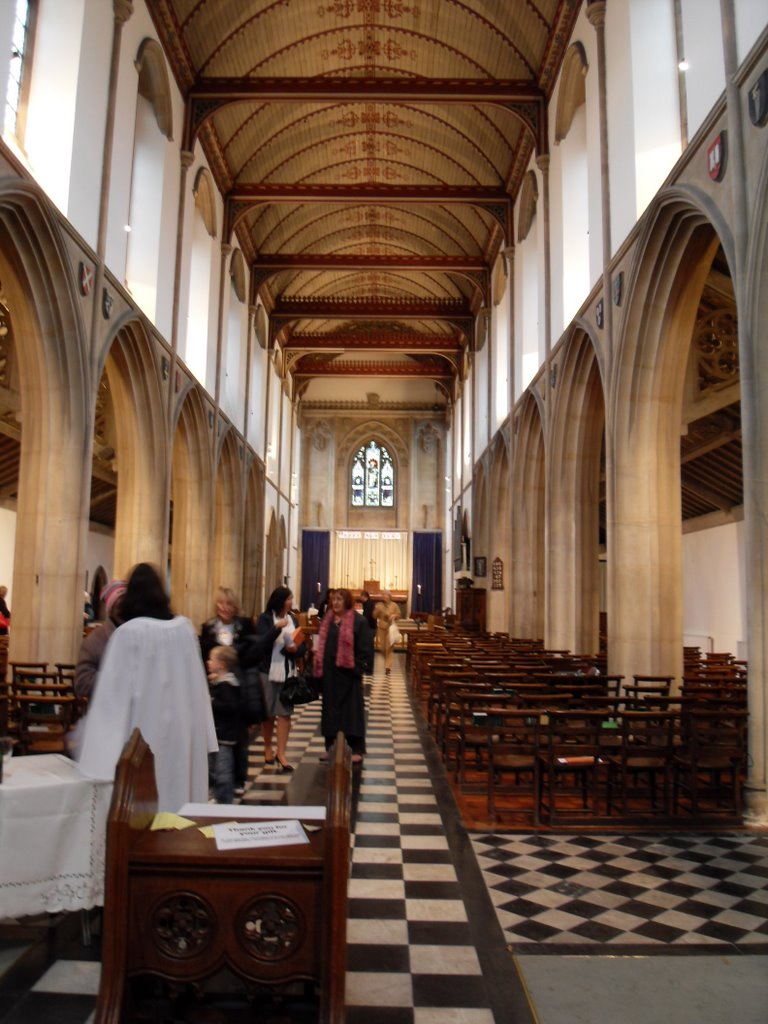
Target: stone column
pixel 754 422
pixel 186 158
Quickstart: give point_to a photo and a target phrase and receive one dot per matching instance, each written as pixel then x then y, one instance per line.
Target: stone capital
pixel 123 9
pixel 596 14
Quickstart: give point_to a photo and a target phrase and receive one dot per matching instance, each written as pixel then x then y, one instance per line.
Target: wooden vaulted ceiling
pixel 368 152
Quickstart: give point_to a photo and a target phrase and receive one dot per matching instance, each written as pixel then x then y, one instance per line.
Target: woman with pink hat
pixel 92 647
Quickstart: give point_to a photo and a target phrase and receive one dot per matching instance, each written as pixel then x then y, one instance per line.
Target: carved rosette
pixel 716 341
pixel 271 928
pixel 182 925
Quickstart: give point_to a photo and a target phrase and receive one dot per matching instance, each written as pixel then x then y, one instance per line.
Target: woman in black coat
pixel 344 653
pixel 227 628
pixel 273 650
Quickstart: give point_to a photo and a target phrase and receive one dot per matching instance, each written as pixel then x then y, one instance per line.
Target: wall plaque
pixel 497 574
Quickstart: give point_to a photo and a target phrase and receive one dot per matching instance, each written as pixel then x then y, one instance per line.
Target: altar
pixel 376 593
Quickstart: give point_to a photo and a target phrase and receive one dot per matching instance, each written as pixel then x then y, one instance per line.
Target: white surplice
pixel 152 677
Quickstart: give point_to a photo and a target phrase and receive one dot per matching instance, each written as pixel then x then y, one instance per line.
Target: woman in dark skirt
pixel 344 653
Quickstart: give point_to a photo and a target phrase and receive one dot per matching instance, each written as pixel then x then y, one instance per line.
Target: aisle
pixel 418 952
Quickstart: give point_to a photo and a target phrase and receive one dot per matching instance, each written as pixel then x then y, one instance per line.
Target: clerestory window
pixel 373 477
pixel 18 72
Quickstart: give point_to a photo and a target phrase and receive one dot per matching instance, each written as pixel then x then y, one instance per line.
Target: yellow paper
pixel 166 820
pixel 207 830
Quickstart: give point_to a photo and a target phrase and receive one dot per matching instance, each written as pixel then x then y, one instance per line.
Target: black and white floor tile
pixel 629 892
pixel 442 923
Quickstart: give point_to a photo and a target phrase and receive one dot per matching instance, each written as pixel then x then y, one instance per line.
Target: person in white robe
pixel 152 678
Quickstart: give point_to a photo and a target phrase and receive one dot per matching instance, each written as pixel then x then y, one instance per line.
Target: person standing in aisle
pixel 343 655
pixel 386 614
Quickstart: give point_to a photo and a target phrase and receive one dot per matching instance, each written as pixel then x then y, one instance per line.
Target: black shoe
pixel 283 767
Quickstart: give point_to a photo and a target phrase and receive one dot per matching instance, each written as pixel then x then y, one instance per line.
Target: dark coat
pixel 256 650
pixel 368 607
pixel 342 688
pixel 226 705
pixel 242 627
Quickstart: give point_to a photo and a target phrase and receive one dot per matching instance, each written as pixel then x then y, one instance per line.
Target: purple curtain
pixel 315 566
pixel 427 572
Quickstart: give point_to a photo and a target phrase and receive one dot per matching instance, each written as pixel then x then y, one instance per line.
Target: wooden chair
pixel 570 763
pixel 646 750
pixel 513 743
pixel 66 673
pixel 644 687
pixel 44 710
pixel 21 668
pixel 709 767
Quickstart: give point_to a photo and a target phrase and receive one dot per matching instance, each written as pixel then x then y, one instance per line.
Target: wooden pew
pixel 179 909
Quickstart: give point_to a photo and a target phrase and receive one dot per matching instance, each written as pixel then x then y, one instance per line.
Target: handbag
pixel 300 689
pixel 395 635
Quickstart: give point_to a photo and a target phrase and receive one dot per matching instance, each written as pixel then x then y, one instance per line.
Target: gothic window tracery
pixel 373 477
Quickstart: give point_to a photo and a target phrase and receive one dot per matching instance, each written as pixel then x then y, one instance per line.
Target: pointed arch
pixel 238 273
pixel 529 195
pixel 142 454
pixel 500 533
pixel 253 556
pixel 674 255
pixel 274 555
pixel 347 448
pixel 228 519
pixel 204 192
pixel 528 524
pixel 572 92
pixel 155 85
pixel 191 509
pixel 575 466
pixel 55 409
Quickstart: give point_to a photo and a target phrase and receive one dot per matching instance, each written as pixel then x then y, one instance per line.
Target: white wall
pixel 7 546
pixel 703 49
pixel 501 343
pixel 714 592
pixel 479 384
pixel 49 139
pixel 750 22
pixel 99 550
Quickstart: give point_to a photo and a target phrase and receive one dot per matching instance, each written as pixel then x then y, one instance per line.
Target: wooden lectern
pixel 180 909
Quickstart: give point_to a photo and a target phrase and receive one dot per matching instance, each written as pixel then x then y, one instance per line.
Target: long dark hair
pixel 277 599
pixel 145 595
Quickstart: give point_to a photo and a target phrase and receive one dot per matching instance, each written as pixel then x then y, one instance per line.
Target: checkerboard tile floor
pixel 438 917
pixel 629 892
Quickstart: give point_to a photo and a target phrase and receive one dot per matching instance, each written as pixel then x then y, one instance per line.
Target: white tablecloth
pixel 52 836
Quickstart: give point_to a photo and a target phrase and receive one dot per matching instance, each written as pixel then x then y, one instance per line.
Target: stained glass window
pixel 373 477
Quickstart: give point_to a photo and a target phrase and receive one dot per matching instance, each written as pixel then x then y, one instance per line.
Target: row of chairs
pixel 39 706
pixel 562 765
pixel 488 708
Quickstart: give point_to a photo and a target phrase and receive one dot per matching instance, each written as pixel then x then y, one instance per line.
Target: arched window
pixel 373 477
pixel 17 87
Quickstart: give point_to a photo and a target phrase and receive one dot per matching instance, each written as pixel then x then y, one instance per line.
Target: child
pixel 226 704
